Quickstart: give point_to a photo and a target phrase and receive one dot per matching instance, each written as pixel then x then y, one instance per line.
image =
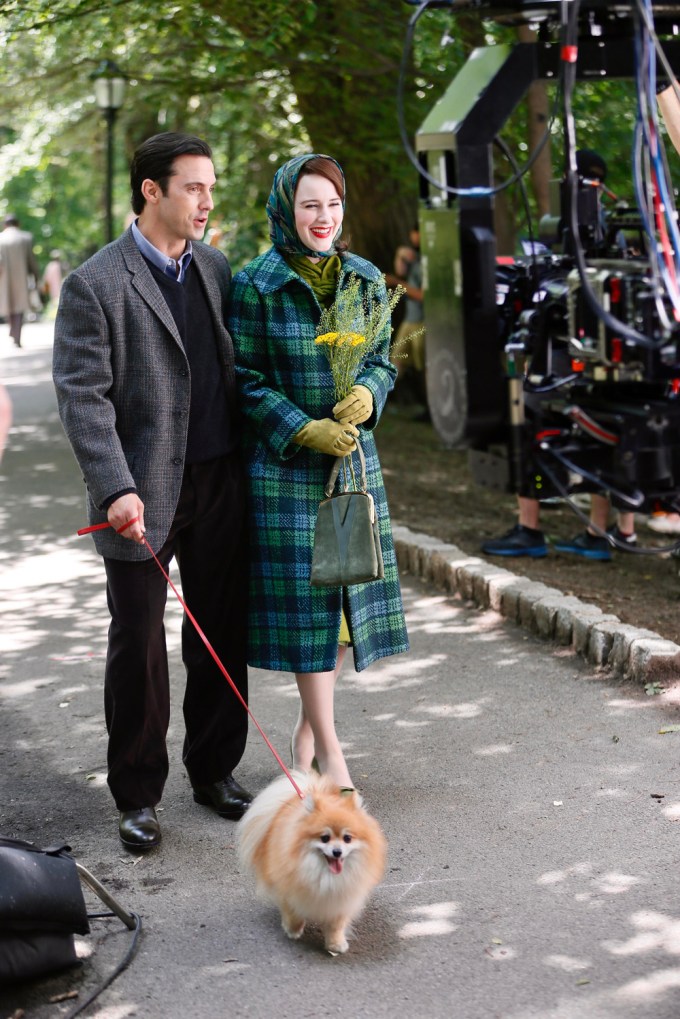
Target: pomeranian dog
pixel 317 858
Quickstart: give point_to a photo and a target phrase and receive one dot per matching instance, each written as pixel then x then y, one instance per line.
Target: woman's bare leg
pixel 317 720
pixel 302 743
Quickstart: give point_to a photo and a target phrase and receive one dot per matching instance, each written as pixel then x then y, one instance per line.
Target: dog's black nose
pixel 337 853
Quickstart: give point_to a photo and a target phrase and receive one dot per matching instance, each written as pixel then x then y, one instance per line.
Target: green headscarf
pixel 281 210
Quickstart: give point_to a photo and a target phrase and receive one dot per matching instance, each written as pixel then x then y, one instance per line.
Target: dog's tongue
pixel 335 865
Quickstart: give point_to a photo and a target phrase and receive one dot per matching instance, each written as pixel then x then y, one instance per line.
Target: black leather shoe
pixel 139 829
pixel 226 797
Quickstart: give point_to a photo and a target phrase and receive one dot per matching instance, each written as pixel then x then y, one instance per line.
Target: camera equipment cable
pixel 123 964
pixel 641 198
pixel 564 493
pixel 655 200
pixel 570 55
pixel 648 18
pixel 475 192
pixel 525 200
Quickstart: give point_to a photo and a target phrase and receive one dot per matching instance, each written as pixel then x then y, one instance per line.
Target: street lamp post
pixel 109 91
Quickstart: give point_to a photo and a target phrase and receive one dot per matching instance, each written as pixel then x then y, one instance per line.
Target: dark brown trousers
pixel 208 539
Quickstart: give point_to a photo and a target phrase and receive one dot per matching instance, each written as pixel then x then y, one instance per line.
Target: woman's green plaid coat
pixel 284 380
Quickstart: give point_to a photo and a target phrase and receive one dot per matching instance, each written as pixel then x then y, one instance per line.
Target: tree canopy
pixel 260 82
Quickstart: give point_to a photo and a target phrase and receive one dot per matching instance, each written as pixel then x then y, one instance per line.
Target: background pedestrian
pixel 18 275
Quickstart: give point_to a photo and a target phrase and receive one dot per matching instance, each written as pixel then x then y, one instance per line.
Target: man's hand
pixel 122 511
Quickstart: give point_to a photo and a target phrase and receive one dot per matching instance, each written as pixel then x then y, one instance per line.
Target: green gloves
pixel 328 436
pixel 355 408
pixel 337 437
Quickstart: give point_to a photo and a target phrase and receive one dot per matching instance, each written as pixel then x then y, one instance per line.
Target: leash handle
pixel 213 653
pixel 102 527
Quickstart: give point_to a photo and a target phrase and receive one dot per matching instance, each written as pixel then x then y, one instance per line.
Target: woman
pixel 294 428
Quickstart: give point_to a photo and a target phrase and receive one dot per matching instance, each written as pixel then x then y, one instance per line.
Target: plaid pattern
pixel 284 381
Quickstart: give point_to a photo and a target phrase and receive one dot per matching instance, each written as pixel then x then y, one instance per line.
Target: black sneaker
pixel 519 540
pixel 624 539
pixel 590 546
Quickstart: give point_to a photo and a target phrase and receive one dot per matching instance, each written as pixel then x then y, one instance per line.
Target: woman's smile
pixel 318 212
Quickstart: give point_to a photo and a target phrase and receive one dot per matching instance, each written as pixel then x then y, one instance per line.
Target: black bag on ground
pixel 346 537
pixel 41 908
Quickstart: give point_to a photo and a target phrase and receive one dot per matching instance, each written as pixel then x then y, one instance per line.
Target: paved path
pixel 531 806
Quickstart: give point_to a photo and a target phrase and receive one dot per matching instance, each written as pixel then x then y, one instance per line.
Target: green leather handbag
pixel 346 538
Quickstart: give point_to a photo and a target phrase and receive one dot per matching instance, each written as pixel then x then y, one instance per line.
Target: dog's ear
pixel 308 803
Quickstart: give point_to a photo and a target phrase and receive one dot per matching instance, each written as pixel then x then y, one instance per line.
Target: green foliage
pixel 261 82
pixel 187 70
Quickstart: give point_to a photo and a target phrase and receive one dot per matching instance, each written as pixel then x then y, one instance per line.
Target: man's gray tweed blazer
pixel 123 383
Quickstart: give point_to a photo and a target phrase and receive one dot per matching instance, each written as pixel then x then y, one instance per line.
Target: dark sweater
pixel 211 432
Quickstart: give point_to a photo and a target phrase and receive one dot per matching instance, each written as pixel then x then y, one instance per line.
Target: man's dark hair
pixel 154 160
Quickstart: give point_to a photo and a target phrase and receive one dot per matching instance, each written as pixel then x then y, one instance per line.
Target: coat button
pixel 183 371
pixel 177 460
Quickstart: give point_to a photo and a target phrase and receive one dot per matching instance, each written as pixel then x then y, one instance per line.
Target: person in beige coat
pixel 18 271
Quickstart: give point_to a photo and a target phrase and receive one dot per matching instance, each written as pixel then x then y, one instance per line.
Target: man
pixel 409 342
pixel 526 538
pixel 144 372
pixel 18 274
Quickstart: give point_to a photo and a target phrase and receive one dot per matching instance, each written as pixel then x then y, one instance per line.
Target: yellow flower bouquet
pixel 350 329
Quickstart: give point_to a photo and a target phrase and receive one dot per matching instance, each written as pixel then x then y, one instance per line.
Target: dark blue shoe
pixel 587 545
pixel 519 540
pixel 625 539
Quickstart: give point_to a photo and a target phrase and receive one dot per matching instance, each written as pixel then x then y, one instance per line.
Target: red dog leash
pixel 199 631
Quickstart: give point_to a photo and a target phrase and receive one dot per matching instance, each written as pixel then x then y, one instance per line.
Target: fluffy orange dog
pixel 316 858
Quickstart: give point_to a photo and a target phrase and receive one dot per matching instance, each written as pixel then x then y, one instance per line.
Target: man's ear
pixel 151 191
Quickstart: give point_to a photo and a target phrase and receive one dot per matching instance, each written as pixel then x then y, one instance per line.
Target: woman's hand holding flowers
pixel 328 436
pixel 355 408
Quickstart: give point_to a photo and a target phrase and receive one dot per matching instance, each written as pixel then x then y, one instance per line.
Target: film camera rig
pixel 560 370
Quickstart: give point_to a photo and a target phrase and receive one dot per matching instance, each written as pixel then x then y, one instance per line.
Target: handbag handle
pixel 335 470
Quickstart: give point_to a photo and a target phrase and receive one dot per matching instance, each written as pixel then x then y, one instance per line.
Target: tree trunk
pixel 343 61
pixel 353 117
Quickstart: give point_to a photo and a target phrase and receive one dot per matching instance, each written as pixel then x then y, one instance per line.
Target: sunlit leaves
pixel 260 82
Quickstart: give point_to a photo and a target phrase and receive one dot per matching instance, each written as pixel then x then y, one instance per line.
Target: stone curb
pixel 603 640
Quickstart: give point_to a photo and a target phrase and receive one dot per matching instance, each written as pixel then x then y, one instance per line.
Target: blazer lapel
pixel 211 288
pixel 145 284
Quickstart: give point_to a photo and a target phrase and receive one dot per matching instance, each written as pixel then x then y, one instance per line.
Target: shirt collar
pixel 176 268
